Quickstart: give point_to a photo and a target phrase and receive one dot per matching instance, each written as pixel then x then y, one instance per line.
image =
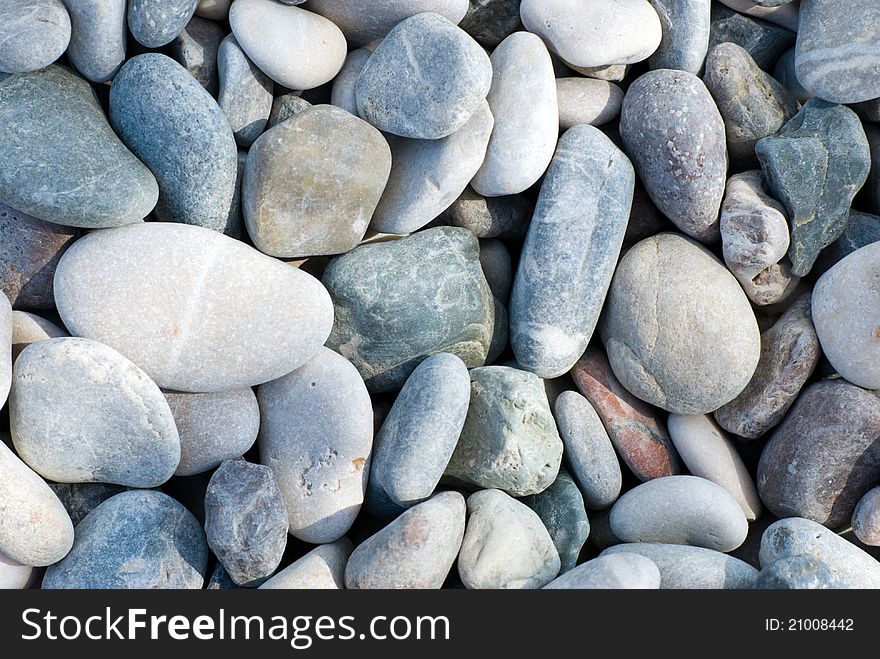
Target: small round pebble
pixel 29 328
pixel 612 571
pixel 14 575
pixel 561 509
pixel 98 37
pixel 587 101
pixel 33 34
pixel 798 573
pixel 866 518
pixel 155 23
pixel 323 568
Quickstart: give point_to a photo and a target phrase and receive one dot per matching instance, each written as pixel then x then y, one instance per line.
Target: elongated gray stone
pixel 613 571
pixel 343 93
pixel 98 37
pixel 587 101
pixel 245 92
pixel 80 499
pixel 765 41
pixel 684 567
pixel 561 509
pixel 155 23
pixel 798 573
pixel 685 34
pixel 196 49
pixel 29 328
pixel 866 518
pixel 322 568
pixel 570 252
pixel 33 34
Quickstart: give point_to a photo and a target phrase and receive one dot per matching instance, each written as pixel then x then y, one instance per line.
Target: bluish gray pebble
pixel 80 499
pixel 33 34
pixel 685 35
pixel 613 571
pixel 798 573
pixel 98 37
pixel 561 509
pixel 764 41
pixel 245 92
pixel 154 23
pixel 196 49
pixel 286 107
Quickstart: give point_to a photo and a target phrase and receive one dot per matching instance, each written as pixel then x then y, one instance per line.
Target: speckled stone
pixel 171 123
pixel 14 575
pixel 416 550
pixel 509 440
pixel 570 251
pixel 824 456
pixel 764 41
pixel 286 107
pixel 323 568
pixel 80 412
pixel 245 92
pixel 29 328
pixel 774 11
pixel 445 306
pixel 80 499
pixel 614 571
pixel 196 49
pixel 98 37
pixel 587 101
pixel 33 34
pixel 866 518
pixel 316 434
pixel 62 162
pixel 134 540
pixel 815 165
pixel 213 427
pixel 155 23
pixel 506 218
pixel 684 567
pixel 669 116
pixel 491 21
pixel 343 94
pixel 561 509
pixel 685 34
pixel 505 545
pixel 798 573
pixel 861 229
pixel 496 264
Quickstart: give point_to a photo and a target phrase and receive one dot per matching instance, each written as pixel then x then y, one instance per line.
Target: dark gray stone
pixel 506 218
pixel 684 567
pixel 798 573
pixel 764 41
pixel 196 49
pixel 685 34
pixel 286 107
pixel 785 74
pixel 80 499
pixel 98 39
pixel 220 579
pixel 245 92
pixel 861 229
pixel 33 34
pixel 154 23
pixel 561 509
pixel 491 21
pixel 496 264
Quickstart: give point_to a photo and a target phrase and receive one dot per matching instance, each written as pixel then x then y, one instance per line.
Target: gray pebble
pixel 286 107
pixel 15 576
pixel 500 332
pixel 496 265
pixel 798 573
pixel 491 21
pixel 764 41
pixel 29 328
pixel 322 568
pixel 561 509
pixel 685 34
pixel 773 11
pixel 784 72
pixel 506 218
pixel 33 34
pixel 196 49
pixel 5 348
pixel 220 579
pixel 80 499
pixel 155 23
pixel 866 518
pixel 343 93
pixel 98 37
pixel 587 101
pixel 613 571
pixel 861 229
pixel 245 92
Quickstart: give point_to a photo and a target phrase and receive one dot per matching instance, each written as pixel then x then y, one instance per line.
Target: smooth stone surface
pixel 774 11
pixel 14 575
pixel 765 41
pixel 505 545
pixel 587 101
pixel 491 21
pixel 213 427
pixel 561 509
pixel 445 306
pixel 245 92
pixel 496 265
pixel 343 93
pixel 416 550
pixel 861 229
pixel 316 434
pixel 824 456
pixel 80 499
pixel 33 34
pixel 62 162
pixel 784 72
pixel 685 39
pixel 667 343
pixel 29 328
pixel 134 540
pixel 196 49
pixel 789 353
pixel 523 101
pixel 509 440
pixel 286 107
pixel 98 37
pixel 506 218
pixel 614 571
pixel 80 412
pixel 155 23
pixel 684 567
pixel 670 117
pixel 425 79
pixel 223 322
pixel 215 10
pixel 866 518
pixel 798 573
pixel 323 568
pixel 570 251
pixel 6 329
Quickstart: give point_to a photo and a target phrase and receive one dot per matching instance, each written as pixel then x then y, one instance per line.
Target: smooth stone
pixel 33 34
pixel 500 332
pixel 496 264
pixel 222 322
pixel 587 101
pixel 506 218
pixel 155 23
pixel 80 412
pixel 570 251
pixel 685 39
pixel 789 353
pixel 506 545
pixel 491 21
pixel 509 440
pixel 312 183
pixel 98 37
pixel 14 575
pixel 80 499
pixel 421 431
pixel 861 229
pixel 196 49
pixel 323 568
pixel 445 306
pixel 670 117
pixel 688 568
pixel 416 550
pixel 868 110
pixel 29 328
pixel 752 104
pixel 286 107
pixel 798 573
pixel 846 303
pixel 825 454
pixel 62 162
pixel 634 428
pixel 343 94
pixel 561 509
pixel 774 11
pixel 6 359
pixel 316 434
pixel 177 129
pixel 614 571
pixel 213 427
pixel 796 536
pixel 245 520
pixel 764 41
pixel 245 94
pixel 427 176
pixel 134 540
pixel 523 101
pixel 596 33
pixel 784 73
pixel 610 73
pixel 866 518
pixel 215 10
pixel 669 344
pixel 708 453
pixel 837 51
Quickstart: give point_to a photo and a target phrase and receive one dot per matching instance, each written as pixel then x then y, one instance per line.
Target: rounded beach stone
pixel 215 10
pixel 425 79
pixel 62 162
pixel 343 95
pixel 245 92
pixel 323 568
pixel 496 265
pixel 428 175
pixel 505 545
pixel 506 218
pixel 14 575
pixel 685 34
pixel 689 568
pixel 181 134
pixel 866 518
pixel 824 456
pixel 523 101
pixel 491 21
pixel 222 322
pixel 427 290
pixel 213 427
pixel 773 11
pixel 80 412
pixel 709 454
pixel 784 72
pixel 669 344
pixel 798 573
pixel 80 499
pixel 613 571
pixel 509 440
pixel 669 117
pixel 846 303
pixel 29 328
pixel 595 33
pixel 796 536
pixel 421 431
pixel 98 37
pixel 245 520
pixel 765 41
pixel 316 434
pixel 296 48
pixel 196 49
pixel 561 509
pixel 286 107
pixel 155 23
pixel 134 540
pixel 587 101
pixel 311 183
pixel 570 251
pixel 416 550
pixel 861 229
pixel 33 34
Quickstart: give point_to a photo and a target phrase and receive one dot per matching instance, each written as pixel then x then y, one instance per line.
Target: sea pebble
pixel 80 499
pixel 216 10
pixel 613 571
pixel 779 12
pixel 196 49
pixel 764 41
pixel 245 94
pixel 561 509
pixel 685 34
pixel 33 34
pixel 286 107
pixel 861 229
pixel 98 37
pixel 496 264
pixel 587 101
pixel 506 218
pixel 323 568
pixel 343 93
pixel 155 23
pixel 6 329
pixel 14 575
pixel 866 518
pixel 491 21
pixel 29 328
pixel 784 73
pixel 798 573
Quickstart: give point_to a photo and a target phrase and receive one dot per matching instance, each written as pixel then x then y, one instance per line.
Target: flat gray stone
pixel 685 35
pixel 80 499
pixel 196 49
pixel 798 573
pixel 587 101
pixel 343 93
pixel 689 568
pixel 155 23
pixel 765 41
pixel 613 571
pixel 323 568
pixel 491 217
pixel 245 92
pixel 491 21
pixel 33 34
pixel 29 328
pixel 286 107
pixel 866 518
pixel 561 509
pixel 98 37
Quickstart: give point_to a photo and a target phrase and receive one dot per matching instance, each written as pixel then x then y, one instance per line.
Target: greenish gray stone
pixel 245 92
pixel 685 34
pixel 496 264
pixel 33 34
pixel 861 229
pixel 196 49
pixel 561 509
pixel 798 573
pixel 615 571
pixel 764 41
pixel 154 23
pixel 491 21
pixel 98 38
pixel 777 13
